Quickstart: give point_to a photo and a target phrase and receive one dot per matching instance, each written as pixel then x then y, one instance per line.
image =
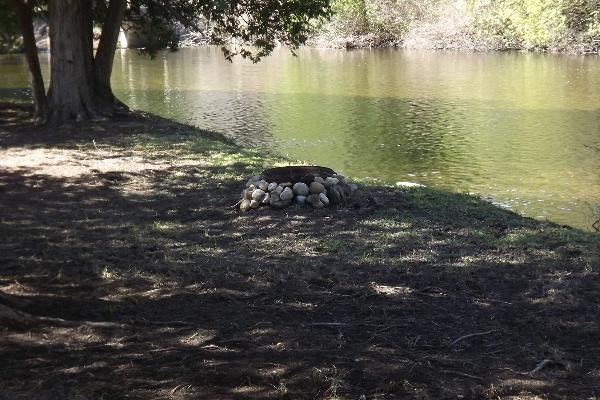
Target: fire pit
pixel 281 187
pixel 299 173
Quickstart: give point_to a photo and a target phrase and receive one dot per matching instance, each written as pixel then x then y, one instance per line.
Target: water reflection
pixel 511 127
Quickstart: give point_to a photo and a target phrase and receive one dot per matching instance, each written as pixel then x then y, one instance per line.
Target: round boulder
pixel 287 194
pixel 258 194
pixel 263 185
pixel 245 205
pixel 316 188
pixel 301 189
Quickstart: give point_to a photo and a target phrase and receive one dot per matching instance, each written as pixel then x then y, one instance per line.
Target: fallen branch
pixel 460 339
pixel 166 323
pixel 327 324
pixel 12 316
pixel 541 365
pixel 447 371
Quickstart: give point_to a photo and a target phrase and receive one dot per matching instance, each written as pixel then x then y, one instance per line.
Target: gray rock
pixel 323 199
pixel 266 199
pixel 300 199
pixel 252 188
pixel 287 194
pixel 342 178
pixel 315 201
pixel 272 186
pixel 286 184
pixel 334 195
pixel 353 188
pixel 301 189
pixel 263 185
pixel 248 194
pixel 316 188
pixel 253 181
pixel 258 194
pixel 318 205
pixel 279 189
pixel 320 180
pixel 245 205
pixel 254 203
pixel 335 181
pixel 409 184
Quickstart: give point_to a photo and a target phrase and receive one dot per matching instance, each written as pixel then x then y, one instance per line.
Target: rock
pixel 316 188
pixel 254 203
pixel 287 194
pixel 266 199
pixel 328 183
pixel 286 184
pixel 300 199
pixel 279 189
pixel 274 197
pixel 320 180
pixel 272 186
pixel 300 188
pixel 245 205
pixel 334 195
pixel 323 199
pixel 341 178
pixel 252 188
pixel 248 194
pixel 335 181
pixel 409 184
pixel 353 188
pixel 315 201
pixel 253 181
pixel 258 194
pixel 263 185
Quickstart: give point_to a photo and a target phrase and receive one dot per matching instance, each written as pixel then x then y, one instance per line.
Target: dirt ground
pixel 142 282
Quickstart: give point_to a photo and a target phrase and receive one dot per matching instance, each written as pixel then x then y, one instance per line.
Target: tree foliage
pixel 80 80
pixel 10 30
pixel 249 28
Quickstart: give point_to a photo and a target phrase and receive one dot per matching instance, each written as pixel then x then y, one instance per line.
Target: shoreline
pixel 373 42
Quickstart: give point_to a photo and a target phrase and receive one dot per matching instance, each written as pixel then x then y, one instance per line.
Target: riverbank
pixel 459 25
pixel 124 231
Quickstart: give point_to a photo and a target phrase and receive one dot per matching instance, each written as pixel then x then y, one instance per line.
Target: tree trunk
pixel 40 102
pixel 71 94
pixel 105 53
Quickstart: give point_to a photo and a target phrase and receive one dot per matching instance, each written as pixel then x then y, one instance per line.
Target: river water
pixel 517 129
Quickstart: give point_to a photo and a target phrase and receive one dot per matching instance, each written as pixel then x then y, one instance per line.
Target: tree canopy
pixel 80 79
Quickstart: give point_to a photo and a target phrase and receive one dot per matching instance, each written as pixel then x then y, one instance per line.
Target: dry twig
pixel 447 371
pixel 460 339
pixel 541 365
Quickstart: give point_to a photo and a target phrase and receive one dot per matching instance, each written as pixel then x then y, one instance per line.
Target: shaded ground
pixel 125 231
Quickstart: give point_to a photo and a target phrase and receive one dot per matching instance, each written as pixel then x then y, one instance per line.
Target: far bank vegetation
pixel 544 25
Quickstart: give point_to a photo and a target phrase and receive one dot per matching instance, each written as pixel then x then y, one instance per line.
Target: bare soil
pixel 138 279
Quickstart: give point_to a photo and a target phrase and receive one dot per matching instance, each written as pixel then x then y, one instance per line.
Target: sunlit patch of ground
pixel 148 284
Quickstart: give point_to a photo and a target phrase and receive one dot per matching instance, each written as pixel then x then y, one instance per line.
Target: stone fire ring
pixel 281 187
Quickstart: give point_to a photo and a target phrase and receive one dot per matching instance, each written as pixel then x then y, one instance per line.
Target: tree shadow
pixel 376 301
